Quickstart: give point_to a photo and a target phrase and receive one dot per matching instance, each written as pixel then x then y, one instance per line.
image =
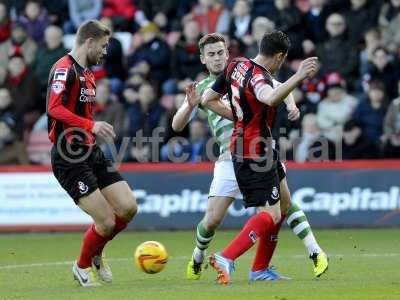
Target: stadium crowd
pixel 153 55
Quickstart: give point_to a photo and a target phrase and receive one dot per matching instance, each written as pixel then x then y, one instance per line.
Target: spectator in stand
pixel 315 20
pixel 383 68
pixel 57 10
pixel 259 27
pixel 355 145
pixel 288 18
pixel 145 114
pixel 153 56
pixel 25 91
pixel 312 145
pixel 111 111
pixel 335 109
pixel 240 24
pixel 114 59
pixel 370 113
pixel 161 12
pixel 12 150
pixel 81 11
pixel 123 13
pixel 389 21
pixel 5 23
pixel 391 140
pixel 185 59
pixel 48 55
pixel 194 150
pixel 362 16
pixel 372 39
pixel 337 54
pixel 18 43
pixel 211 15
pixel 35 19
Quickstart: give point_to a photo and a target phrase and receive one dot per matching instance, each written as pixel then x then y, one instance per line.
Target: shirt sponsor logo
pixel 87 95
pixel 61 74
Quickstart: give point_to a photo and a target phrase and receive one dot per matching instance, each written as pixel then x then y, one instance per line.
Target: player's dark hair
pixel 274 42
pixel 211 38
pixel 91 29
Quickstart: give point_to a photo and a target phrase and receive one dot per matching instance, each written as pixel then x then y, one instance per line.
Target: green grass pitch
pixel 364 264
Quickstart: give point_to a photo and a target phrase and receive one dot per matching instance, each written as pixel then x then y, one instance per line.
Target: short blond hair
pixel 91 29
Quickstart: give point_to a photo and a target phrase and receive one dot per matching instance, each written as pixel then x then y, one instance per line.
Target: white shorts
pixel 224 183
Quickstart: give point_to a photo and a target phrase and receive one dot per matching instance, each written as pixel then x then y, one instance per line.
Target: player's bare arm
pixel 182 116
pixel 212 100
pixel 273 97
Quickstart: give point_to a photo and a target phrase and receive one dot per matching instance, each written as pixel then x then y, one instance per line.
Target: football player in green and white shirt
pixel 224 188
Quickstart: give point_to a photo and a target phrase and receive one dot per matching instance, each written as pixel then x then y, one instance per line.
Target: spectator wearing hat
pixel 336 108
pixel 153 56
pixel 161 12
pixel 18 43
pixel 35 19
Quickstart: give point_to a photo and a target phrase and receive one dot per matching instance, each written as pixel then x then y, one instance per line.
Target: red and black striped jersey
pixel 71 94
pixel 243 79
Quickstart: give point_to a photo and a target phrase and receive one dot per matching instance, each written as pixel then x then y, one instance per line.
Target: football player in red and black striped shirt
pixel 259 173
pixel 78 163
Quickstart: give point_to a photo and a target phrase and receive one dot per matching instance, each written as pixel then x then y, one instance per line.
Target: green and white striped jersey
pixel 221 128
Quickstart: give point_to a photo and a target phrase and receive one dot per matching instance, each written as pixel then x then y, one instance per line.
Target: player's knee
pixel 211 222
pixel 106 226
pixel 129 210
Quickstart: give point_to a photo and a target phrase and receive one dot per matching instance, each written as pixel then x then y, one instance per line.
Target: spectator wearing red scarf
pixel 25 90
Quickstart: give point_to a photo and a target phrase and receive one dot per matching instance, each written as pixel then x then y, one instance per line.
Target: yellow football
pixel 151 257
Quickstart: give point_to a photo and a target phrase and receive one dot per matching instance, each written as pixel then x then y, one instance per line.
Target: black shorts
pixel 258 183
pixel 80 176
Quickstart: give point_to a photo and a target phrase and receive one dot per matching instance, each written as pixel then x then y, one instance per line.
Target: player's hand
pixel 293 112
pixel 192 94
pixel 308 68
pixel 103 130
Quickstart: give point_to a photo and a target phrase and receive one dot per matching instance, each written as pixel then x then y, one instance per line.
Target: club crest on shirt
pixel 275 193
pixel 83 188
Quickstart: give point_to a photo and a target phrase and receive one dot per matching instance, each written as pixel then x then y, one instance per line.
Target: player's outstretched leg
pixel 260 224
pixel 261 269
pixel 119 196
pixel 297 221
pixel 205 231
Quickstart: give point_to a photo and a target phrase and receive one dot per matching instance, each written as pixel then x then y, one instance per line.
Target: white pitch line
pixel 297 256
